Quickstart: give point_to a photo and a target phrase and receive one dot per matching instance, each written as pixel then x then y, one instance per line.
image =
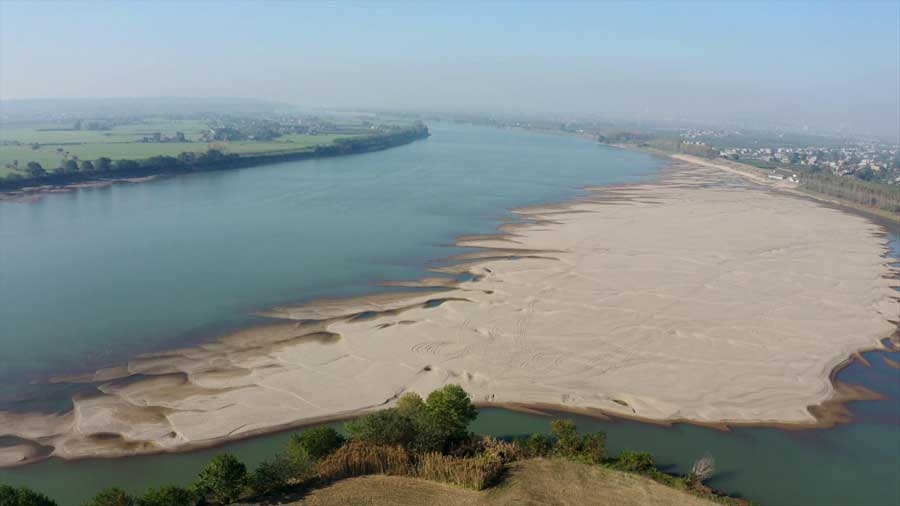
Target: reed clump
pixel 476 473
pixel 358 458
pixel 505 451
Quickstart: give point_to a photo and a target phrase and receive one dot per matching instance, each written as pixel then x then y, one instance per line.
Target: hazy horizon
pixel 824 65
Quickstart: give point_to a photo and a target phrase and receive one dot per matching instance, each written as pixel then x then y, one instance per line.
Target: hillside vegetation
pixel 541 481
pixel 421 452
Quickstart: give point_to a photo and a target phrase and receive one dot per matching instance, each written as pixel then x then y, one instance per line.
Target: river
pixel 92 277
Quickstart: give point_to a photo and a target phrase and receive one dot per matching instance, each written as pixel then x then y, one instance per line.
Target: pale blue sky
pixel 821 63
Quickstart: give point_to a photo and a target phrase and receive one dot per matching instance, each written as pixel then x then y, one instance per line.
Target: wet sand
pixel 702 297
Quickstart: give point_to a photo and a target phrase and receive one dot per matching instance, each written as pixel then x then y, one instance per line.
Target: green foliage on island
pixel 72 171
pixel 427 439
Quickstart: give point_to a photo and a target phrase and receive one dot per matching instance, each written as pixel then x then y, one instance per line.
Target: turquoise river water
pixel 91 277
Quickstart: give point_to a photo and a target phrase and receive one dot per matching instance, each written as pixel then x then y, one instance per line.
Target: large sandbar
pixel 698 297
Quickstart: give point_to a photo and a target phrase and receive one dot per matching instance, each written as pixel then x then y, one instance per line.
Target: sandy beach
pixel 702 296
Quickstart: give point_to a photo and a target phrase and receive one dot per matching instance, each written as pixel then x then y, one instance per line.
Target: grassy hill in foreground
pixel 541 481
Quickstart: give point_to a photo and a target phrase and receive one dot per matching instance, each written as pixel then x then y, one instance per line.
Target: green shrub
pixel 638 462
pixel 410 405
pixel 453 410
pixel 274 474
pixel 593 448
pixel 317 442
pixel 112 496
pixel 22 496
pixel 566 435
pixel 429 434
pixel 168 496
pixel 538 445
pixel 423 426
pixel 223 479
pixel 386 427
pixel 590 448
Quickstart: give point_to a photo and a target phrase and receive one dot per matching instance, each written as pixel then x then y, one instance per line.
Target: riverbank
pixel 26 190
pixel 580 308
pixel 761 177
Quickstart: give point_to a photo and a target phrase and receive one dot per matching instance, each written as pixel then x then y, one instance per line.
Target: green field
pixel 123 142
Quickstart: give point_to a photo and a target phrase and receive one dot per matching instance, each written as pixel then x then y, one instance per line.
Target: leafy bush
pixel 274 474
pixel 590 448
pixel 22 496
pixel 168 496
pixel 567 439
pixel 429 434
pixel 424 426
pixel 317 443
pixel 223 479
pixel 638 462
pixel 452 409
pixel 386 427
pixel 593 448
pixel 410 405
pixel 112 496
pixel 538 445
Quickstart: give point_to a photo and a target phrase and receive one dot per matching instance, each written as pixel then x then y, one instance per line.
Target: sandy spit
pixel 700 297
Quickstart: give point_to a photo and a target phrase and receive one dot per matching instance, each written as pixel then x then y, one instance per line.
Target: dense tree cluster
pixel 435 425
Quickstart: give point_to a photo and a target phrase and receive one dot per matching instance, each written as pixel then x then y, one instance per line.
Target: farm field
pixel 55 144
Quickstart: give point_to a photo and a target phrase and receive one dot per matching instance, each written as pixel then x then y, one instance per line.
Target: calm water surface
pixel 89 278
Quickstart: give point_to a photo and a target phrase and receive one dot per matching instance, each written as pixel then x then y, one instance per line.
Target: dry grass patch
pixel 390 491
pixel 531 482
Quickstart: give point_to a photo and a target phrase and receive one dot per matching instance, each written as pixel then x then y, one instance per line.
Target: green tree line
pixel 212 159
pixel 868 193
